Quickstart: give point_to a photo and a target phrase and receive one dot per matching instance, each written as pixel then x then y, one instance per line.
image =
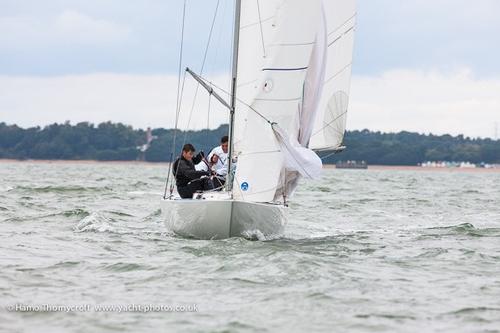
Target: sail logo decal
pixel 244 186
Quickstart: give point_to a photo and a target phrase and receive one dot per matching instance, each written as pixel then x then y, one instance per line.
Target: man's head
pixel 188 151
pixel 224 143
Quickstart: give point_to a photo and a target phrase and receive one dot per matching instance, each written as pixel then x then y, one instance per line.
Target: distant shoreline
pixel 418 168
pixel 327 166
pixel 82 162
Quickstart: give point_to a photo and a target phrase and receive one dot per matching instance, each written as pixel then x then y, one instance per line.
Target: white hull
pixel 217 217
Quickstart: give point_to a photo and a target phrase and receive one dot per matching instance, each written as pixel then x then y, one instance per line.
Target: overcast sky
pixel 426 65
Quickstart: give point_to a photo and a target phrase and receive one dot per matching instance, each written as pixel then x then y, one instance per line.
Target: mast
pixel 237 16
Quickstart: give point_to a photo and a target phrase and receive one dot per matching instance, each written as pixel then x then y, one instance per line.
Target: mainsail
pixel 288 91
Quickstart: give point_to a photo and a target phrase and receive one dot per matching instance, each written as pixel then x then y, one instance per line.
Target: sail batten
pixel 284 69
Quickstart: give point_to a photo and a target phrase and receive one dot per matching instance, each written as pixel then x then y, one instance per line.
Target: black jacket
pixel 184 170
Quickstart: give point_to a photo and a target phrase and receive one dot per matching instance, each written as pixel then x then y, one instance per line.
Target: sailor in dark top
pixel 188 180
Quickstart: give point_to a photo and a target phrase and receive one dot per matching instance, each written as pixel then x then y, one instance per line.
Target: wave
pixel 78 212
pixel 6 188
pixel 141 193
pixel 127 267
pixel 65 264
pixel 94 222
pixel 254 235
pixel 466 229
pixel 474 310
pixel 62 189
pixel 385 316
pixel 153 216
pixel 102 222
pixel 117 213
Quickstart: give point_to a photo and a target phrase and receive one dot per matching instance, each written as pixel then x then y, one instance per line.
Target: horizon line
pixel 69 122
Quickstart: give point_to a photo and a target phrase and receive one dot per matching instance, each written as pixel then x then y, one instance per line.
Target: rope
pixel 177 109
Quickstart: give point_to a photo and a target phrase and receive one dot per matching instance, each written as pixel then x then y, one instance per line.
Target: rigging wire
pixel 175 132
pixel 239 100
pixel 273 124
pixel 181 90
pixel 329 155
pixel 219 39
pixel 208 115
pixel 177 110
pixel 262 116
pixel 179 96
pixel 202 67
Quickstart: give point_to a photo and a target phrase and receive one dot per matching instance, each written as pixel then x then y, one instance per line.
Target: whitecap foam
pixel 6 188
pixel 141 193
pixel 100 222
pixel 257 235
pixel 96 221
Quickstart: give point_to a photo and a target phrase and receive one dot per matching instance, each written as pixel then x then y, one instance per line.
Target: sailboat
pixel 291 75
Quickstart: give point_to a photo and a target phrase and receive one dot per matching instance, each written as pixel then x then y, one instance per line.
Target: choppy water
pixel 365 251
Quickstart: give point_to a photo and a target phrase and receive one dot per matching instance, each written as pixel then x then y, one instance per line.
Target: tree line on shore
pixel 118 142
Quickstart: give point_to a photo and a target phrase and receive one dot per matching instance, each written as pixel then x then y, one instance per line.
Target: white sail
pixel 330 123
pixel 275 93
pixel 299 160
pixel 291 94
pixel 257 27
pixel 313 85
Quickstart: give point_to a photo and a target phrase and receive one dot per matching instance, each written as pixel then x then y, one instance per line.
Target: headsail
pixel 282 75
pixel 313 85
pixel 330 123
pixel 277 92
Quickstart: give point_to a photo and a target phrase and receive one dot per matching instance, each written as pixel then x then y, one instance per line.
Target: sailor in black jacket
pixel 188 180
